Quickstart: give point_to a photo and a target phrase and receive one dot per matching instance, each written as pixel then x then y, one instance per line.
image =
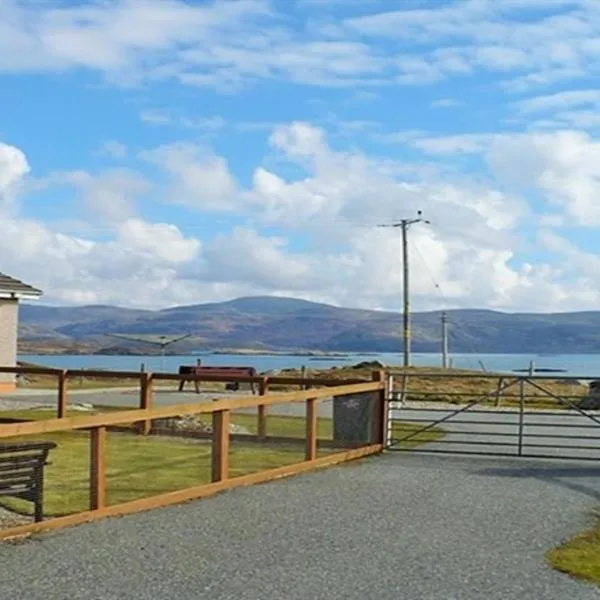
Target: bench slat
pixel 16 492
pixel 21 458
pixel 21 472
pixel 26 447
pixel 21 464
pixel 29 475
pixel 17 481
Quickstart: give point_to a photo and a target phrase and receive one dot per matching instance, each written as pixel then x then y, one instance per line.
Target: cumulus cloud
pixel 198 178
pixel 315 234
pixel 564 166
pixel 13 167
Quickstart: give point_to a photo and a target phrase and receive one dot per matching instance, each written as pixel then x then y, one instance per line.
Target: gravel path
pixel 410 527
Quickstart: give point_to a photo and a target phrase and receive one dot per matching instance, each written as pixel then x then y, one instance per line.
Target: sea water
pixel 577 365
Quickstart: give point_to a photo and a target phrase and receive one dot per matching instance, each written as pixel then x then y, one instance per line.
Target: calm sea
pixel 578 365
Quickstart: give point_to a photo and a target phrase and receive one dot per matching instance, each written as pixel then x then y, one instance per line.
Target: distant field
pixel 446 386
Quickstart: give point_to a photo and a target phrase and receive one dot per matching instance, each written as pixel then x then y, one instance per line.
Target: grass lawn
pixel 579 557
pixel 140 466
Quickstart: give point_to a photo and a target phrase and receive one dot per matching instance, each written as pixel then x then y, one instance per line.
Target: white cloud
pixel 109 36
pixel 158 240
pixel 473 249
pixel 155 117
pixel 559 101
pixel 13 167
pixel 445 103
pixel 243 256
pixel 113 149
pixel 227 45
pixel 111 194
pixel 564 166
pixel 198 178
pixel 537 45
pixel 208 124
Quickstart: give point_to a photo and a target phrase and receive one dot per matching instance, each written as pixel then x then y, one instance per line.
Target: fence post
pixel 521 415
pixel 379 422
pixel 62 394
pixel 311 429
pixel 220 445
pixel 499 390
pixel 263 386
pixel 98 468
pixel 146 384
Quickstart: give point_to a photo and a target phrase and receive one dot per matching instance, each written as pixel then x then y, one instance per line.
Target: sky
pixel 156 153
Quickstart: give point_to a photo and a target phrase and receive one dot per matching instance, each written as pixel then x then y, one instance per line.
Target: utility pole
pixel 444 340
pixel 404 224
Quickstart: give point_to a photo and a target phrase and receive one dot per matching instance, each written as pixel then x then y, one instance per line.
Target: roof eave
pixel 20 295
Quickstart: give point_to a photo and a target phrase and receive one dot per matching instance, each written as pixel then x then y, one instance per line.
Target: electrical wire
pixel 445 302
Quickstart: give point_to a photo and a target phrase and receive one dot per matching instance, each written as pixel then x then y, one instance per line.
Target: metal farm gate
pixel 501 415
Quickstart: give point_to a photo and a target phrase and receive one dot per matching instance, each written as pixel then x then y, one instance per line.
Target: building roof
pixel 9 286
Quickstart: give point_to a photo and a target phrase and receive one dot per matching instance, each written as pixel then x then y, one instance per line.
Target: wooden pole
pixel 98 468
pixel 263 386
pixel 146 385
pixel 311 429
pixel 62 395
pixel 444 340
pixel 406 302
pixel 379 417
pixel 220 446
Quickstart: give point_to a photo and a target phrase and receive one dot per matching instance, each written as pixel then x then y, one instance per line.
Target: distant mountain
pixel 291 324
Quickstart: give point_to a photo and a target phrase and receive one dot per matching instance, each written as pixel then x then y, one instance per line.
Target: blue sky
pixel 162 152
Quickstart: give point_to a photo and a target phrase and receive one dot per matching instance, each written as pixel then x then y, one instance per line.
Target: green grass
pixel 296 427
pixel 579 557
pixel 39 414
pixel 138 466
pixel 277 426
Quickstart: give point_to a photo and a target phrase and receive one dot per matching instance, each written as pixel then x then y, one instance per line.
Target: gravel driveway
pixel 397 526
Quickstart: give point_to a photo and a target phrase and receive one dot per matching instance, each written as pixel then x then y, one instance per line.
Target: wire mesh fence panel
pixel 267 438
pixel 171 458
pixel 98 458
pixel 43 476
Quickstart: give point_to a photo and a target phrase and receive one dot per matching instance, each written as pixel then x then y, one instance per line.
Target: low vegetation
pixel 580 557
pixel 459 386
pixel 139 466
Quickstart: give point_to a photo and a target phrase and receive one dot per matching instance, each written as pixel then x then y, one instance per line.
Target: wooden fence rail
pixel 146 382
pixel 220 409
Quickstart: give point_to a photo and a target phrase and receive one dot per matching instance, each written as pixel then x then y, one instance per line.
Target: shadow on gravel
pixel 562 476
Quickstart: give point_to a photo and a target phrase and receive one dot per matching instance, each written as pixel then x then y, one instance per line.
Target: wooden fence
pixel 219 409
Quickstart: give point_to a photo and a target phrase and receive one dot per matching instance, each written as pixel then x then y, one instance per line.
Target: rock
pixel 591 402
pixel 82 406
pixel 193 423
pixel 369 364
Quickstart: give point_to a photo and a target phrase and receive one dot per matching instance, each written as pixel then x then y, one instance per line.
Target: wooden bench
pixel 22 472
pixel 216 371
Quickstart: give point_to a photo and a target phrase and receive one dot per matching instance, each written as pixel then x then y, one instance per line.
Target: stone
pixel 353 417
pixel 592 401
pixel 369 364
pixel 82 406
pixel 193 423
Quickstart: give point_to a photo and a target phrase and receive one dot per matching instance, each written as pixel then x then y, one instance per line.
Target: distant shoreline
pixel 250 352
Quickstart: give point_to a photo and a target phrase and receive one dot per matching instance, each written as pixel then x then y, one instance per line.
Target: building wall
pixel 9 318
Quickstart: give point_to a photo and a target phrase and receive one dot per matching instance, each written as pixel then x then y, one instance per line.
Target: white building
pixel 11 292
